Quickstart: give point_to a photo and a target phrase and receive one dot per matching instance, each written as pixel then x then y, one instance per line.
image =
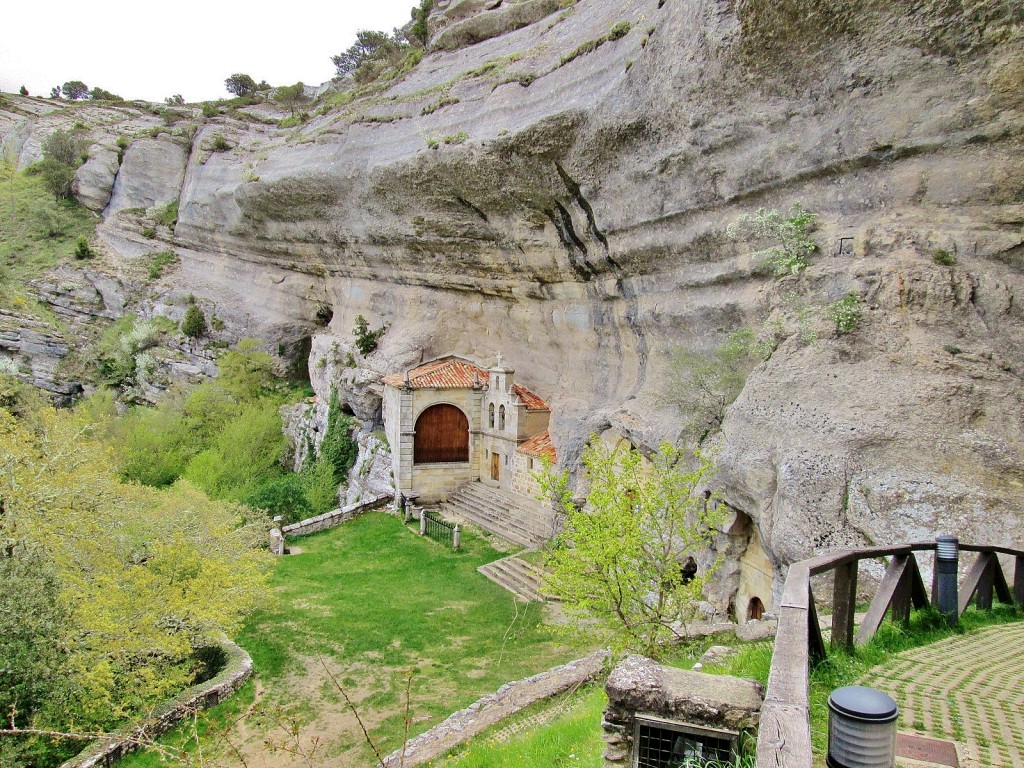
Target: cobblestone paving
pixel 969 689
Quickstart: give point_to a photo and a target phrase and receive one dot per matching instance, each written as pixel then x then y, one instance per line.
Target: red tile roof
pixel 533 403
pixel 456 373
pixel 446 373
pixel 539 446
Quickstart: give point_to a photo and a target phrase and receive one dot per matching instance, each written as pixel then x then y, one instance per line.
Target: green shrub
pixel 790 256
pixel 456 138
pixel 366 340
pixel 845 313
pixel 620 29
pixel 338 447
pixel 320 486
pixel 210 110
pixel 82 249
pixel 285 496
pixel 123 142
pixel 943 258
pixel 149 233
pixel 168 214
pixel 160 260
pixel 220 144
pixel 194 323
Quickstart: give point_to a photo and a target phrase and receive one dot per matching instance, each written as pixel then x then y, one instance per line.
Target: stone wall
pixel 334 517
pixel 512 697
pixel 639 686
pixel 237 669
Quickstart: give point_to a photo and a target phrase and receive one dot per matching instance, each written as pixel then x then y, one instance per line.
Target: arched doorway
pixel 755 609
pixel 442 436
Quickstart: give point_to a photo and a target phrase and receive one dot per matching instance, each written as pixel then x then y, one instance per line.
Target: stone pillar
pixel 404 450
pixel 423 522
pixel 276 541
pixel 457 538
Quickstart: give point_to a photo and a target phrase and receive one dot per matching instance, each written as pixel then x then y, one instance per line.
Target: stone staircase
pixel 521 520
pixel 522 579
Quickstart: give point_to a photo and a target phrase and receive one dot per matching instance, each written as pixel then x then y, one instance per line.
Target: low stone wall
pixel 506 701
pixel 237 669
pixel 334 517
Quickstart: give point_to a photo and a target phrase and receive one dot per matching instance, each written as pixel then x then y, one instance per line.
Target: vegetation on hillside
pixel 109 586
pixel 38 231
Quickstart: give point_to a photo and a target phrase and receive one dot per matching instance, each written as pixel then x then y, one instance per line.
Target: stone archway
pixel 442 436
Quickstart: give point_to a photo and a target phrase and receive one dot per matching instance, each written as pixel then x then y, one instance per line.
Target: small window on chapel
pixel 490 411
pixel 529 462
pixel 501 417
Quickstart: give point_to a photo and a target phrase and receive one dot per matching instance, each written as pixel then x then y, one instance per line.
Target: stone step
pixel 504 528
pixel 517 576
pixel 493 503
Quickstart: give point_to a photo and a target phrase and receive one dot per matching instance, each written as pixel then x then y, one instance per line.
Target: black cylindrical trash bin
pixel 861 728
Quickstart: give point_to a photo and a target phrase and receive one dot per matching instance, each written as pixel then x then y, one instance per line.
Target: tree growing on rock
pixel 75 90
pixel 291 96
pixel 621 559
pixel 240 84
pixel 371 51
pixel 193 324
pixel 23 91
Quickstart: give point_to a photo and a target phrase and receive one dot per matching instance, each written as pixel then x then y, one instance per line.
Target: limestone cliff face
pixel 544 187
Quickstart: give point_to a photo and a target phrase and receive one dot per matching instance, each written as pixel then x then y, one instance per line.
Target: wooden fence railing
pixel 784 739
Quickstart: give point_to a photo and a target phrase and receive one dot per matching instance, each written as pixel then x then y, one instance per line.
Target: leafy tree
pixel 291 96
pixel 75 90
pixel 99 94
pixel 177 100
pixel 194 323
pixel 370 48
pixel 57 176
pixel 285 496
pixel 703 386
pixel 620 559
pixel 67 147
pixel 792 231
pixel 55 92
pixel 23 91
pixel 240 85
pixel 419 32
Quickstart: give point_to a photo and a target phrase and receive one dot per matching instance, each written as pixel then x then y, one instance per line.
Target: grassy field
pixel 36 234
pixel 373 609
pixel 573 738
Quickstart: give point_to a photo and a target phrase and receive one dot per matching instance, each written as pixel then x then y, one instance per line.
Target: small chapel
pixel 450 422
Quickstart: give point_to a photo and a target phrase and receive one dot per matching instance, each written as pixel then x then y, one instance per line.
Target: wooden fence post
pixel 844 602
pixel 1018 581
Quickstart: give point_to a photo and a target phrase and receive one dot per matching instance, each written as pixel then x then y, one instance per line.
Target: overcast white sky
pixel 151 50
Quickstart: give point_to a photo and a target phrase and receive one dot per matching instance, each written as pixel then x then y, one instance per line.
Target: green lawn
pixel 371 601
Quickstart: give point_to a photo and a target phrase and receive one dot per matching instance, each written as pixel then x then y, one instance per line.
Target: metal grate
pixel 669 745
